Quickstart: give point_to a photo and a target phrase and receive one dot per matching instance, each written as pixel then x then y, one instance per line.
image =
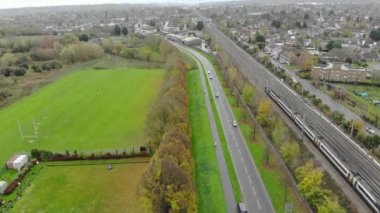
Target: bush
pixel 143 149
pixel 42 155
pixel 44 54
pixel 375 34
pixel 36 68
pixel 5 94
pixel 19 71
pixel 46 66
pixel 337 117
pixel 23 65
pixel 316 102
pixel 129 53
pixel 84 37
pixel 55 64
pixel 6 71
pixel 9 71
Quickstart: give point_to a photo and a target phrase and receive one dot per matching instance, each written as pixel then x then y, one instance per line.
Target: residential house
pixel 339 72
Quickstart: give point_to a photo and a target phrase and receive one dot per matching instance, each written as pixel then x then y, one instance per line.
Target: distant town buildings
pixel 339 72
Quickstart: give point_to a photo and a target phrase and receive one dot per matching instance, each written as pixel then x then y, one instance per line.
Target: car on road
pixel 208 72
pixel 210 76
pixel 215 144
pixel 216 95
pixel 242 208
pixel 370 130
pixel 234 123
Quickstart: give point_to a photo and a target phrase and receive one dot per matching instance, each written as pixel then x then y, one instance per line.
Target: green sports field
pixel 84 188
pixel 87 110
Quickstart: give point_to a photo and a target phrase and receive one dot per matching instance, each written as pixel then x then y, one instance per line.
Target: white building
pixel 3 186
pixel 192 41
pixel 17 162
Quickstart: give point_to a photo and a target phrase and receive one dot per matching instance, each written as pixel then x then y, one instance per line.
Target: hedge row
pixel 43 155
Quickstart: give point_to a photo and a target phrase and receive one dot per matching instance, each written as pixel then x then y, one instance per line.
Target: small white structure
pixel 3 186
pixel 17 162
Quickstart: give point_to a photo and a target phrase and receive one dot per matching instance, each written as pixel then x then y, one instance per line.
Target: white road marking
pixel 254 191
pixel 239 151
pixel 258 203
pixel 246 168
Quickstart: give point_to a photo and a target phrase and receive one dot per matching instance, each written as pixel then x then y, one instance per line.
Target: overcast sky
pixel 38 3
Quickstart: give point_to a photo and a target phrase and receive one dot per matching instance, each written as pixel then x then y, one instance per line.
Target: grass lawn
pixel 87 110
pixel 83 188
pixel 292 67
pixel 360 105
pixel 365 105
pixel 207 177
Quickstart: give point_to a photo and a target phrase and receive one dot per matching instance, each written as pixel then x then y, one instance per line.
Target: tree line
pixel 45 53
pixel 167 185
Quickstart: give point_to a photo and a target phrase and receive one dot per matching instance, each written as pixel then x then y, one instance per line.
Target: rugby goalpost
pixel 29 137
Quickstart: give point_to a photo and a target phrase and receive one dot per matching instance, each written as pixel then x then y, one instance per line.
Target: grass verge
pixel 207 177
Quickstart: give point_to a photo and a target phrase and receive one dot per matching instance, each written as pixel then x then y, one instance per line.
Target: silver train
pixel 364 193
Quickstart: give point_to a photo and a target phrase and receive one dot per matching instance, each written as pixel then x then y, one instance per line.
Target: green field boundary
pixel 95 162
pixel 207 176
